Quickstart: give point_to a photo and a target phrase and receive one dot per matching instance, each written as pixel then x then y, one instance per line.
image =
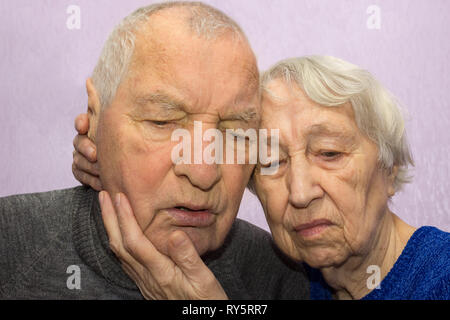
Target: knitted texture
pixel 422 272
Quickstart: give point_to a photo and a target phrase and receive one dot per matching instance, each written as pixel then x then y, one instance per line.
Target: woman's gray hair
pixel 330 81
pixel 112 66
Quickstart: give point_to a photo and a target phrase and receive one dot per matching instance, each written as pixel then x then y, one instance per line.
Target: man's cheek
pixel 144 163
pixel 141 184
pixel 236 176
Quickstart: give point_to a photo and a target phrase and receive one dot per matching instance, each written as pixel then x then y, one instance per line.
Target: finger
pixel 87 179
pixel 183 253
pixel 86 147
pixel 81 163
pixel 136 243
pixel 111 223
pixel 82 123
pixel 203 281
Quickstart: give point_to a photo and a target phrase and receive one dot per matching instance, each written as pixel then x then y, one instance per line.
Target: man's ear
pixel 93 108
pixel 391 180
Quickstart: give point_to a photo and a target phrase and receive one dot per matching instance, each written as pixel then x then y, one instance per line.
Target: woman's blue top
pixel 421 272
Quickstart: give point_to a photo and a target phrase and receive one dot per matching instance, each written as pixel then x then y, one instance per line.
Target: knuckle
pixel 188 259
pixel 129 243
pixel 167 276
pixel 84 143
pixel 85 178
pixel 210 281
pixel 75 141
pixel 95 166
pixel 76 159
pixel 90 167
pixel 165 282
pixel 76 172
pixel 92 181
pixel 97 186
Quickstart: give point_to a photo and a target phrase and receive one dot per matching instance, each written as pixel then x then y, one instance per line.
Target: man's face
pixel 329 195
pixel 177 78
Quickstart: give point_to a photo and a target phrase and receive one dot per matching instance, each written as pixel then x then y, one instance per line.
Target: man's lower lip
pixel 313 231
pixel 185 218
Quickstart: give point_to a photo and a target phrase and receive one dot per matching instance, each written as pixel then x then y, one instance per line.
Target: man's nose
pixel 201 174
pixel 303 182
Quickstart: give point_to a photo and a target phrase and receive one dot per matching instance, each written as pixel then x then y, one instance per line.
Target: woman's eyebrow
pixel 321 130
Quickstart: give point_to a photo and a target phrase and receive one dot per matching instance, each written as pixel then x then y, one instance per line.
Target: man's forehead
pixel 168 34
pixel 222 59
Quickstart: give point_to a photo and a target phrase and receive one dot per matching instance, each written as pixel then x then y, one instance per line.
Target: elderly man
pixel 164 67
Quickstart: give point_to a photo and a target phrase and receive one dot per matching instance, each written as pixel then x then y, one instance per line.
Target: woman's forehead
pixel 309 121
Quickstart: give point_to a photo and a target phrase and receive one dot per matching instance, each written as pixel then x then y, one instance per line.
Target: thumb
pixel 183 253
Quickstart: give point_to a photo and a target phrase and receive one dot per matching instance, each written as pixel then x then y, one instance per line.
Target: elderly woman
pixel 343 155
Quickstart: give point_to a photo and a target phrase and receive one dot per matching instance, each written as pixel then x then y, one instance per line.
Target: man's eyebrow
pixel 247 116
pixel 163 100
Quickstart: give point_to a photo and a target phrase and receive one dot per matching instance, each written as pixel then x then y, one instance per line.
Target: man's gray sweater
pixel 46 238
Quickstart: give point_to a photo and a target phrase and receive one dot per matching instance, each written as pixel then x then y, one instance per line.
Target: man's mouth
pixel 191 216
pixel 190 210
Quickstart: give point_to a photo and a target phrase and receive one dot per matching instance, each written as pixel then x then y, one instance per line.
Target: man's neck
pixel 350 280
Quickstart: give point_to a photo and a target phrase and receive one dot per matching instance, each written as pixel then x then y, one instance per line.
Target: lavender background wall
pixel 45 59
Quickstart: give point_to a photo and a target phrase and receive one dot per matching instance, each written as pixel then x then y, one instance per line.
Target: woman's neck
pixel 350 280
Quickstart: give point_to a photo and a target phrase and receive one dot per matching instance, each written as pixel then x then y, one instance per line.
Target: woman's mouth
pixel 314 228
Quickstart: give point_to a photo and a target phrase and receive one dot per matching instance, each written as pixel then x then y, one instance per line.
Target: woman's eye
pixel 330 155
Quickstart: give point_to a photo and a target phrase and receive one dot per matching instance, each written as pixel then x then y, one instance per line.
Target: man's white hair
pixel 330 81
pixel 112 66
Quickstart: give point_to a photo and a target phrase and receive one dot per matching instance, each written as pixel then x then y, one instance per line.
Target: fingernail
pixel 178 240
pixel 101 197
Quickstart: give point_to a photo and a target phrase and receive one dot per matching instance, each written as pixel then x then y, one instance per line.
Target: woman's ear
pixel 93 108
pixel 391 180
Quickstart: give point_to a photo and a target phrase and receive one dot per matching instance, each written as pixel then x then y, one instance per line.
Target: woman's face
pixel 328 198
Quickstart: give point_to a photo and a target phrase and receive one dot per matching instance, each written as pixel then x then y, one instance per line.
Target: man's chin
pixel 200 238
pixel 202 241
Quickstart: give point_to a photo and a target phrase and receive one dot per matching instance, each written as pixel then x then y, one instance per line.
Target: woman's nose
pixel 303 182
